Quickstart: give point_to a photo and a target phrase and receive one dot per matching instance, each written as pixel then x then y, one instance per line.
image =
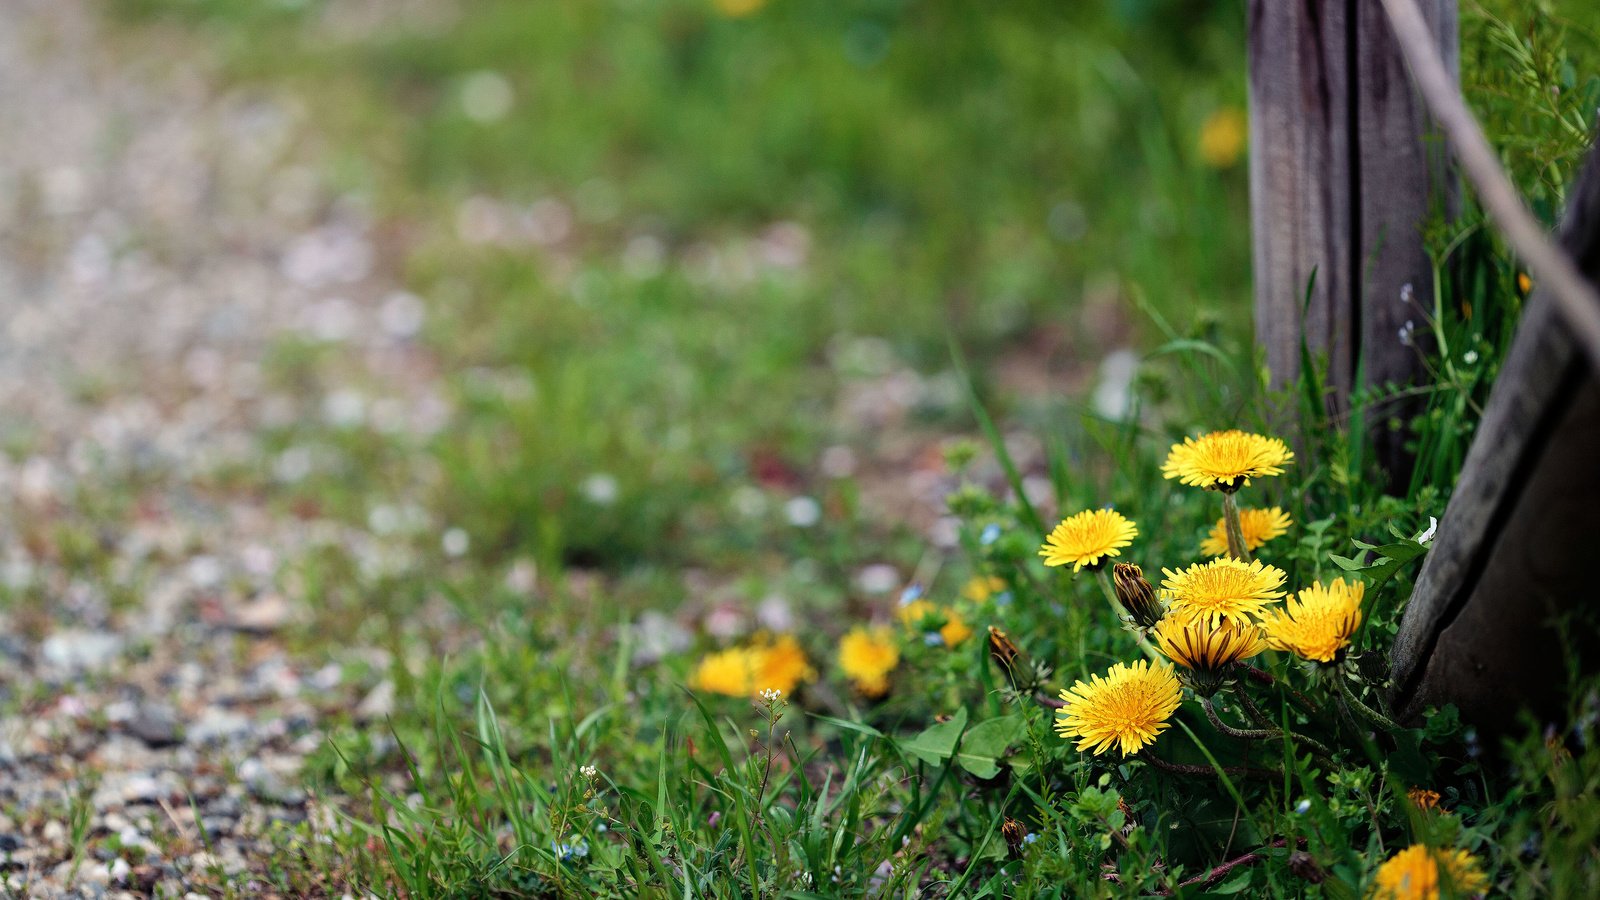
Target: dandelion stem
pixel 1266 678
pixel 1372 715
pixel 1230 517
pixel 1248 734
pixel 1255 713
pixel 1048 701
pixel 1104 577
pixel 1208 771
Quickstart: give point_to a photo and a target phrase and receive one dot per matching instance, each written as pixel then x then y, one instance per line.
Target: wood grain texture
pixel 1512 552
pixel 1344 173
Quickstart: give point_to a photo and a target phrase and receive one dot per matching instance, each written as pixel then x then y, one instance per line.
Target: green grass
pixel 1022 184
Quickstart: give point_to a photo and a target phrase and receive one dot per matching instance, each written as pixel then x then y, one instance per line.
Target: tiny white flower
pixel 1303 807
pixel 588 771
pixel 1470 357
pixel 1426 536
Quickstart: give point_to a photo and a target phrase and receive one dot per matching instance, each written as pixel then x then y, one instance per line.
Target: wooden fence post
pixel 1343 175
pixel 1483 628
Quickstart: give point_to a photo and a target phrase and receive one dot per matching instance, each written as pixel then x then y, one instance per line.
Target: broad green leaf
pixel 937 742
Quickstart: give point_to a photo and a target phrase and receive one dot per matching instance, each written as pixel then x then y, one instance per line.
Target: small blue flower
pixel 1002 599
pixel 1303 807
pixel 569 852
pixel 912 593
pixel 933 639
pixel 1030 838
pixel 991 533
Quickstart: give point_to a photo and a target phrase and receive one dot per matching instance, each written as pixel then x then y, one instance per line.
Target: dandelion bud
pixel 1305 867
pixel 1136 595
pixel 1013 662
pixel 1016 835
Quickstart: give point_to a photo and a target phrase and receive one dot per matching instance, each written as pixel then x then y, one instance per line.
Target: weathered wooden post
pixel 1343 174
pixel 1483 629
pixel 1506 597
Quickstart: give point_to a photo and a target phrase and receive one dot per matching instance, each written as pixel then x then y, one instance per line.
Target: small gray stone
pixel 156 724
pixel 76 651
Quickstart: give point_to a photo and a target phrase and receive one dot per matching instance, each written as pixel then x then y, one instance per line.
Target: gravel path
pixel 157 238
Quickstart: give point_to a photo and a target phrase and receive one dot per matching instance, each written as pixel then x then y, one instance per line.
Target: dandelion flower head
pixel 1125 708
pixel 1226 460
pixel 1419 872
pixel 1318 623
pixel 1087 538
pixel 1258 526
pixel 1222 589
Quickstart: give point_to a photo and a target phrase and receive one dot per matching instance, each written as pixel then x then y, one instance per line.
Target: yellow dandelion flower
pixel 1084 539
pixel 1222 589
pixel 1419 872
pixel 1226 460
pixel 914 612
pixel 782 666
pixel 1207 651
pixel 729 672
pixel 954 631
pixel 1423 799
pixel 981 587
pixel 1223 137
pixel 1125 708
pixel 738 9
pixel 1318 623
pixel 939 625
pixel 746 671
pixel 1258 525
pixel 867 656
pixel 1524 283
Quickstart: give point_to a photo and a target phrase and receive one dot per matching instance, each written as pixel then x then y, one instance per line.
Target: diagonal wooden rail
pixel 1509 573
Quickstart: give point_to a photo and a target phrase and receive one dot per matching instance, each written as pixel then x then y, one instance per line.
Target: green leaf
pixel 848 725
pixel 937 743
pixel 987 742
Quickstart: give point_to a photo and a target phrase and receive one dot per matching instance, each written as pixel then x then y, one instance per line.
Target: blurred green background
pixel 683 227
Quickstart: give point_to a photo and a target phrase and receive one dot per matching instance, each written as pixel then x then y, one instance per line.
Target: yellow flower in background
pixel 951 630
pixel 1258 525
pixel 867 656
pixel 1226 460
pixel 1126 708
pixel 746 671
pixel 1084 539
pixel 1223 137
pixel 981 587
pixel 783 666
pixel 1223 589
pixel 738 9
pixel 954 631
pixel 1318 623
pixel 1208 651
pixel 1419 872
pixel 1524 283
pixel 914 612
pixel 730 672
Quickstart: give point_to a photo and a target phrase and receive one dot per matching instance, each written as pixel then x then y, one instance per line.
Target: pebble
pixel 76 652
pixel 156 724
